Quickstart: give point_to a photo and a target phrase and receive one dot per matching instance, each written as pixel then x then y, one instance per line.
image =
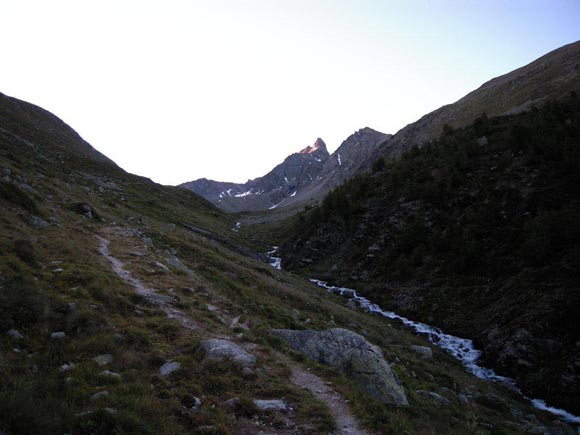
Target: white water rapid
pixel 461 348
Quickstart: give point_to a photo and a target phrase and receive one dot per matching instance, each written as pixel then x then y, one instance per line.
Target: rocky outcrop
pixel 279 185
pixel 352 354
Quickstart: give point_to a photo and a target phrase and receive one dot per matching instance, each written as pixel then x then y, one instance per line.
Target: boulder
pixel 169 367
pixel 222 350
pixel 352 354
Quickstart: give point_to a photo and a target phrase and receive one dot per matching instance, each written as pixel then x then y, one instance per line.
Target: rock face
pixel 223 350
pixel 353 354
pixel 302 178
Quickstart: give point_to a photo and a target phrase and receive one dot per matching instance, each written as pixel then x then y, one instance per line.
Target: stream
pixel 461 348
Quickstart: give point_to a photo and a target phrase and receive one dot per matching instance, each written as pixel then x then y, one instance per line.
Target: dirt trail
pixel 345 421
pixel 163 302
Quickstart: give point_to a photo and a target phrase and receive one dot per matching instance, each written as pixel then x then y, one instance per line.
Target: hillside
pixel 478 233
pixel 553 75
pixel 303 178
pixel 130 307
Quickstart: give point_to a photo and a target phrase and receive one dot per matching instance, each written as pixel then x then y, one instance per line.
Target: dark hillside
pixel 478 232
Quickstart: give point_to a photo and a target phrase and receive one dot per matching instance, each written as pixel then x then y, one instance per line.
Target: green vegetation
pixel 487 217
pixel 54 280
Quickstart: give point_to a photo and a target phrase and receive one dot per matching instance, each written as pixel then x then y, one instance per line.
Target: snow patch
pixel 294 193
pixel 241 195
pixel 276 205
pixel 339 161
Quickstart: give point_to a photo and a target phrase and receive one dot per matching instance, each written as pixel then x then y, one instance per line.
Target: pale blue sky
pixel 177 90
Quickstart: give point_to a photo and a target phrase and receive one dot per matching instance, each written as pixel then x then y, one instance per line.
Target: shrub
pixel 12 193
pixel 22 303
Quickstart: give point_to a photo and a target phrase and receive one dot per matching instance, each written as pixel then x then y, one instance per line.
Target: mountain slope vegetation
pixel 111 285
pixel 477 232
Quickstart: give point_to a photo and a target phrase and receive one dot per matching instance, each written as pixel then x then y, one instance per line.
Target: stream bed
pixel 461 348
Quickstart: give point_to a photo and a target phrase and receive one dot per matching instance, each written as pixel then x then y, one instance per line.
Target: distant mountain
pixel 302 178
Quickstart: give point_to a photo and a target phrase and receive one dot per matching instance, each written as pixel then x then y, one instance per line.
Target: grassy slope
pixel 483 240
pixel 45 270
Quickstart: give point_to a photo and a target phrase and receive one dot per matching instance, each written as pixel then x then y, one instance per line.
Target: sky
pixel 177 90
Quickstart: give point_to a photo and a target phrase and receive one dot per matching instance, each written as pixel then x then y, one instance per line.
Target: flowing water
pixel 461 348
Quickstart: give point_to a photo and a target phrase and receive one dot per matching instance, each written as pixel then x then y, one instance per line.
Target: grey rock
pixel 104 359
pixel 169 367
pixel 463 399
pixel 110 374
pixel 423 351
pixel 271 405
pixel 60 335
pixel 99 395
pixel 222 350
pixel 351 353
pixel 67 367
pixel 170 227
pixel 15 334
pixel 37 222
pixel 436 398
pixel 176 263
pixel 196 402
pixel 147 241
pixel 161 266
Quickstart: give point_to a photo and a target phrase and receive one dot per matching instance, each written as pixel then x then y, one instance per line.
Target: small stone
pixel 111 374
pixel 270 405
pixel 436 398
pixel 248 372
pixel 170 227
pixel 72 307
pixel 60 335
pixel 223 350
pixel 112 411
pixel 104 359
pixel 138 254
pixel 169 367
pixel 99 395
pixel 147 241
pixel 231 402
pixel 423 351
pixel 463 399
pixel 196 402
pixel 161 266
pixel 15 334
pixel 66 367
pixel 39 223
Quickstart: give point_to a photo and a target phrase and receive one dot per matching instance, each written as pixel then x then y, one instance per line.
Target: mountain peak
pixel 318 147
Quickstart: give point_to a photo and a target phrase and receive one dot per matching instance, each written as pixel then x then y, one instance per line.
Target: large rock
pixel 221 350
pixel 352 354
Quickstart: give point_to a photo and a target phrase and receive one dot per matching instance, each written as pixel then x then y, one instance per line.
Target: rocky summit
pixel 303 178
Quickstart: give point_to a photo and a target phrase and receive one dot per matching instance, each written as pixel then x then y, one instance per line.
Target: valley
pixel 131 307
